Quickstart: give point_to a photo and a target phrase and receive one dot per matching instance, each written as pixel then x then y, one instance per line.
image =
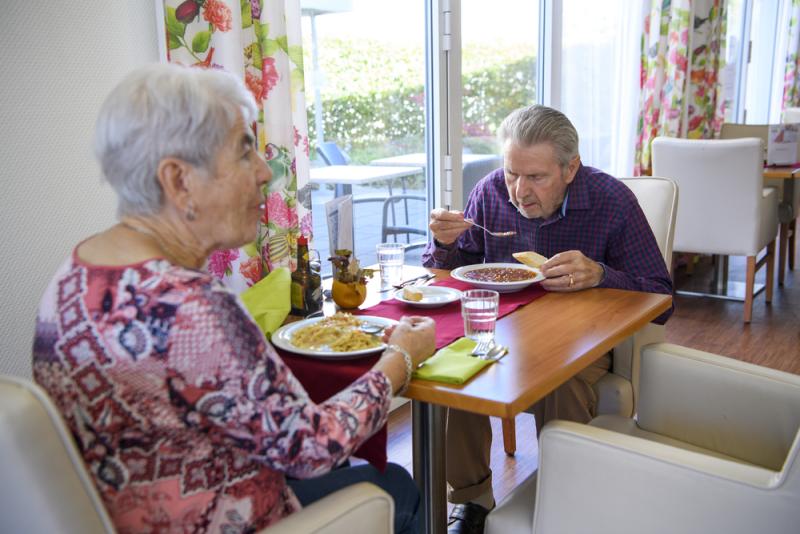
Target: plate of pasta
pixel 337 337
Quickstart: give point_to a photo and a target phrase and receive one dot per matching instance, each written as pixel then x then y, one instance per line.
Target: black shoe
pixel 467 518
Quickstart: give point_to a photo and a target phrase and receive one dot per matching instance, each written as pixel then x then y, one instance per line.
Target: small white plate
pixel 500 287
pixel 282 338
pixel 432 296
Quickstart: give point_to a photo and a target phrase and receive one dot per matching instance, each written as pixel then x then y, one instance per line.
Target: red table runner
pixel 449 324
pixel 324 378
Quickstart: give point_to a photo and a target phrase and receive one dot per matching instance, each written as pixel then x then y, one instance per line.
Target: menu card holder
pixel 339 215
pixel 782 145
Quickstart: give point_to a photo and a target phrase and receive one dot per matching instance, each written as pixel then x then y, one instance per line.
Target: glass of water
pixel 479 310
pixel 390 261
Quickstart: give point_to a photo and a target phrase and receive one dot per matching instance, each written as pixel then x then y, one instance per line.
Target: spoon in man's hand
pixel 495 234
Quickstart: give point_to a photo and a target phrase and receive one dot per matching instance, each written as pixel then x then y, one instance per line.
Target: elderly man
pixel 594 232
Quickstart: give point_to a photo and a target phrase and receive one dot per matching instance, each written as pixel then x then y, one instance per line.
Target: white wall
pixel 60 59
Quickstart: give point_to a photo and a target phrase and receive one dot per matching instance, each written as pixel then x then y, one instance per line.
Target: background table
pixel 788 218
pixel 343 177
pixel 474 167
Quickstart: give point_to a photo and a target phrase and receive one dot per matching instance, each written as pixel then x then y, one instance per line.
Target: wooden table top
pixel 550 340
pixel 782 172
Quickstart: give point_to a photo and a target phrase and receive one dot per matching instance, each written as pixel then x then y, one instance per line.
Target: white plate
pixel 282 338
pixel 432 296
pixel 500 287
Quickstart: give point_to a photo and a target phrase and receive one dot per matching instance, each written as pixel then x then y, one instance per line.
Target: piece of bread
pixel 530 258
pixel 413 294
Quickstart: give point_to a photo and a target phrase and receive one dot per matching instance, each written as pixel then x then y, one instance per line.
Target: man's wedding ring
pixel 571 280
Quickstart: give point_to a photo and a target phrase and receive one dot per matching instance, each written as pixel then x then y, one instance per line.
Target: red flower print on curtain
pixel 681 96
pixel 270 62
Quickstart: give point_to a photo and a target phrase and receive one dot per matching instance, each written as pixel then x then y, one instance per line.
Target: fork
pixel 495 234
pixel 481 348
pixel 494 353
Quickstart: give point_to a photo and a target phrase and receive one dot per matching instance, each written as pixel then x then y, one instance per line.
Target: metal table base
pixel 428 423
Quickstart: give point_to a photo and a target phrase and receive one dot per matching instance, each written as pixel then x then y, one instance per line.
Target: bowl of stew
pixel 502 277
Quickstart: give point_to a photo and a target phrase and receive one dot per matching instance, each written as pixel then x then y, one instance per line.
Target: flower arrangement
pixel 348 270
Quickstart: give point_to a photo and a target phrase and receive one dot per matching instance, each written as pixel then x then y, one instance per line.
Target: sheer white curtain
pixel 600 78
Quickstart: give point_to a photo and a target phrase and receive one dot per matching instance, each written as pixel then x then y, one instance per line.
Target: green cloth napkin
pixel 269 301
pixel 452 364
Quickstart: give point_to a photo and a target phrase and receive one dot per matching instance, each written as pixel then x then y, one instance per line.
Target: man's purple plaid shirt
pixel 600 217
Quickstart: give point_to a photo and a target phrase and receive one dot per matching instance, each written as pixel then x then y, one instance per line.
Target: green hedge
pixel 384 123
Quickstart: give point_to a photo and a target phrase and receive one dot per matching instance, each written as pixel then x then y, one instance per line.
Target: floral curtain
pixel 259 40
pixel 791 80
pixel 682 56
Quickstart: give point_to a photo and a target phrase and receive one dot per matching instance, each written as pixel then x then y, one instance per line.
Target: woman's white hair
pixel 536 124
pixel 160 111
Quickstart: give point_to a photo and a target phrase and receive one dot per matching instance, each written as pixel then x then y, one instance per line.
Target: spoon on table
pixel 495 234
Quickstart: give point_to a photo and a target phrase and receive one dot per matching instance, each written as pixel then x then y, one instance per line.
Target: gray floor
pixel 367 221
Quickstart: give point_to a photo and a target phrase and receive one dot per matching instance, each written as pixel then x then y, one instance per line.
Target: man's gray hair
pixel 536 124
pixel 160 111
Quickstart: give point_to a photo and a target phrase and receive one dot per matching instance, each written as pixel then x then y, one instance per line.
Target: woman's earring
pixel 190 214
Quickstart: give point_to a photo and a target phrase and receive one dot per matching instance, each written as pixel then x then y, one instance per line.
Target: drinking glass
pixel 390 261
pixel 479 310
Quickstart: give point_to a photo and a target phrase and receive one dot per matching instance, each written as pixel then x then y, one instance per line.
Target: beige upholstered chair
pixel 45 486
pixel 789 207
pixel 725 208
pixel 715 449
pixel 617 391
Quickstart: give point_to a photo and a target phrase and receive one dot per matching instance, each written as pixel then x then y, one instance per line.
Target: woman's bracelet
pixel 409 366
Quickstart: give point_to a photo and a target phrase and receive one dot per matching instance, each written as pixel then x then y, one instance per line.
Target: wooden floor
pixel 772 339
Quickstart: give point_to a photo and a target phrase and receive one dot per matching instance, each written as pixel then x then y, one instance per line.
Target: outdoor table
pixel 344 177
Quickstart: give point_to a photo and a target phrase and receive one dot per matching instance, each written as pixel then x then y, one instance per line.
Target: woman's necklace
pixel 179 259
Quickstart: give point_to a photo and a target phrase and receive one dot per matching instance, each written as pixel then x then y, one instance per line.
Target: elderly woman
pixel 186 417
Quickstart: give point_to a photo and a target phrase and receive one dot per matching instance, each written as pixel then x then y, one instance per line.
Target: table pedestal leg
pixel 428 422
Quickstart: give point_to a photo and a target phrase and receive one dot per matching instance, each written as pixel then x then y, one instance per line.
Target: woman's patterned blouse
pixel 184 414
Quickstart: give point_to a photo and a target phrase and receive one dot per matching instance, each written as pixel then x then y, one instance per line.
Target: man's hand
pixel 446 226
pixel 571 271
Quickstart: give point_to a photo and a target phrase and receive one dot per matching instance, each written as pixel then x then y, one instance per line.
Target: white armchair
pixel 715 449
pixel 617 391
pixel 725 208
pixel 45 486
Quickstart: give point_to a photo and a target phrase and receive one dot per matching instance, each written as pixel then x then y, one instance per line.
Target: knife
pixel 401 285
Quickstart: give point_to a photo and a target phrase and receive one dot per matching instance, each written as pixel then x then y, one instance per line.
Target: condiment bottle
pixel 306 289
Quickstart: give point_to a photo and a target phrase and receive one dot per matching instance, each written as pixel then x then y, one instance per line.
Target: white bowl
pixel 432 296
pixel 500 287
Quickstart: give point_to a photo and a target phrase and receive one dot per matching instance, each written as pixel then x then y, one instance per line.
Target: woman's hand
pixel 415 334
pixel 571 271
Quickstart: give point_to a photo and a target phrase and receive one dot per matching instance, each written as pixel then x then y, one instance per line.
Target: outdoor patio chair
pixel 331 154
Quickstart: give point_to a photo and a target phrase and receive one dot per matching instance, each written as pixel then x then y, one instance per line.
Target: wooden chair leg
pixel 792 243
pixel 510 436
pixel 783 242
pixel 750 282
pixel 770 270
